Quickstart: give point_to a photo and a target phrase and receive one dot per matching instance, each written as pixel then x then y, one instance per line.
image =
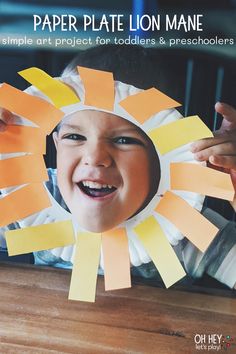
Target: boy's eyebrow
pixel 126 129
pixel 71 126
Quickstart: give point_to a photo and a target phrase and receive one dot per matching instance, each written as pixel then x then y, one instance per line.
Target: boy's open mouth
pixel 95 189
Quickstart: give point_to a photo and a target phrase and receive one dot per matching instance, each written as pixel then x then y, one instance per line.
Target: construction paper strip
pixel 59 93
pixel 21 170
pixel 188 220
pixel 39 111
pixel 85 268
pixel 99 88
pixel 183 131
pixel 23 202
pixel 203 180
pixel 146 103
pixel 18 138
pixel 157 245
pixel 116 259
pixel 39 238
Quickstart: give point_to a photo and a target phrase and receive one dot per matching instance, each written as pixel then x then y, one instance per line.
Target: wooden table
pixel 36 317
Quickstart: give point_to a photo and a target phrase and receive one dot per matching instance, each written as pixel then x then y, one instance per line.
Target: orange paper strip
pixel 21 170
pixel 203 180
pixel 144 104
pixel 189 221
pixel 116 259
pixel 43 113
pixel 22 203
pixel 17 138
pixel 99 88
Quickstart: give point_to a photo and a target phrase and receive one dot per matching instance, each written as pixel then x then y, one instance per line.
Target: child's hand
pixel 220 150
pixel 5 118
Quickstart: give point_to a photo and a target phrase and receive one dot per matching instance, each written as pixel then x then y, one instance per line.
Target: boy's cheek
pixel 64 155
pixel 138 180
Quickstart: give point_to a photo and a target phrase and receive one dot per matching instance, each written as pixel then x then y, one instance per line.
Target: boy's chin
pixel 97 226
pixel 100 224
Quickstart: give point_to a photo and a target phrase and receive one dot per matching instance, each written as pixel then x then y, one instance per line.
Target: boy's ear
pixel 55 139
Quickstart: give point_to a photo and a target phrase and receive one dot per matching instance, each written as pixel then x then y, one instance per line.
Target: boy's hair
pixel 126 62
pixel 134 65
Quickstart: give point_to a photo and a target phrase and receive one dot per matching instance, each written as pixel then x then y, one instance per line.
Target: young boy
pixel 84 154
pixel 106 168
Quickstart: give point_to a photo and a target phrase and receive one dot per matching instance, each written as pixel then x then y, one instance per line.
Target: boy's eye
pixel 74 136
pixel 126 140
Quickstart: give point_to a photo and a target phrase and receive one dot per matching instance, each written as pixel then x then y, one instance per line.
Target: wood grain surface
pixel 36 316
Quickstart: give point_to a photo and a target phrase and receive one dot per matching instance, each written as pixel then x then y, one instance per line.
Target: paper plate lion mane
pixel 173 213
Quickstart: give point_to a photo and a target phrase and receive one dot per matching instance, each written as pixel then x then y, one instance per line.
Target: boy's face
pixel 104 168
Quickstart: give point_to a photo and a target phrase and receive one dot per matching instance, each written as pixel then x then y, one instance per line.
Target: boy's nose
pixel 97 155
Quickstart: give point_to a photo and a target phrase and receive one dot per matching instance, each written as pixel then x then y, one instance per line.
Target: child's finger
pixel 3 126
pixel 228 162
pixel 5 115
pixel 227 111
pixel 229 116
pixel 5 118
pixel 208 142
pixel 233 177
pixel 226 148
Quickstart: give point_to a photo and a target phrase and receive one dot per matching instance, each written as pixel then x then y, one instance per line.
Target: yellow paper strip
pixel 22 170
pixel 156 244
pixel 41 112
pixel 39 238
pixel 116 259
pixel 99 88
pixel 23 202
pixel 203 180
pixel 85 268
pixel 18 138
pixel 59 93
pixel 183 131
pixel 146 103
pixel 188 220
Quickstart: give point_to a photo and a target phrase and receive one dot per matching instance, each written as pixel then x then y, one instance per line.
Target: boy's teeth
pixel 96 185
